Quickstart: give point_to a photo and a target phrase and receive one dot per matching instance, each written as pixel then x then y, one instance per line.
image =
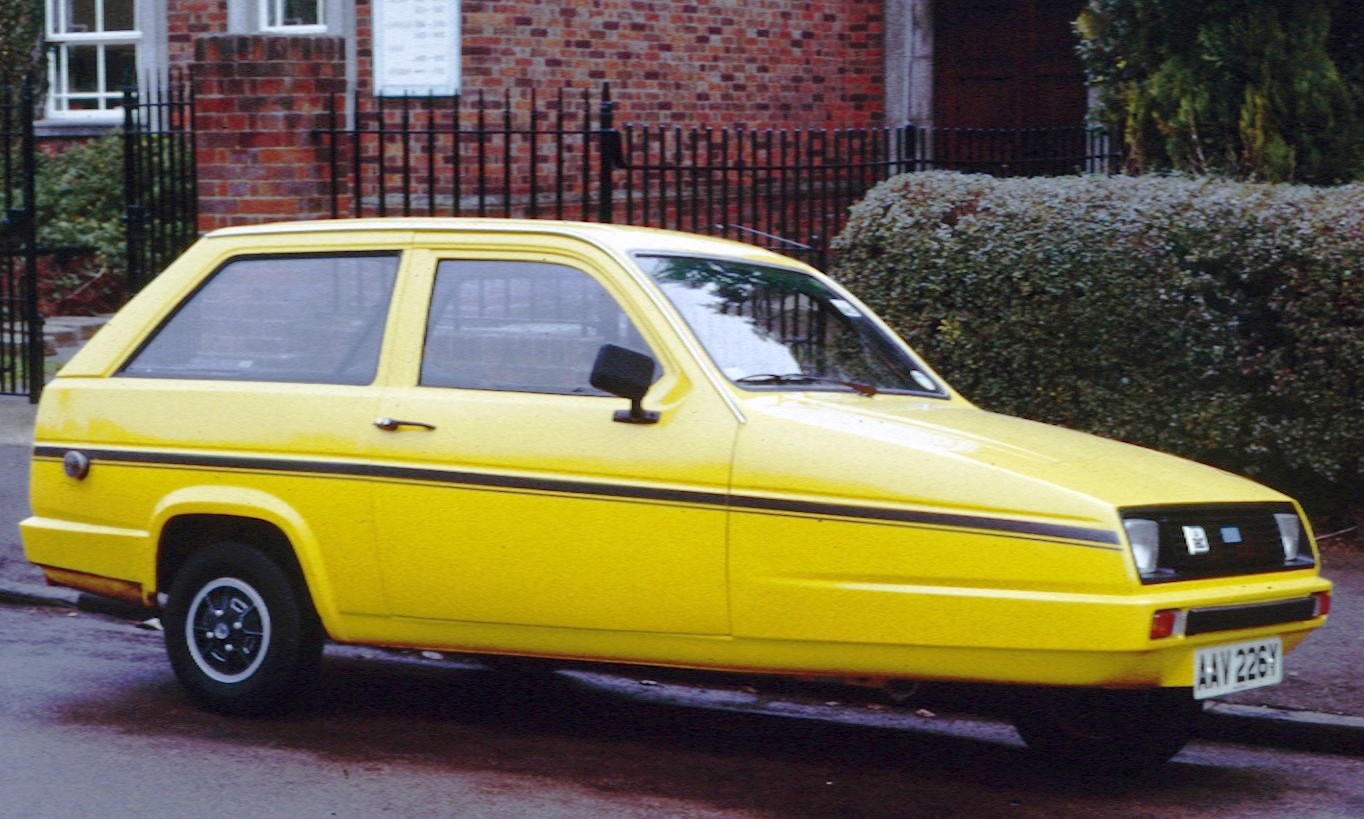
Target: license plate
pixel 1227 669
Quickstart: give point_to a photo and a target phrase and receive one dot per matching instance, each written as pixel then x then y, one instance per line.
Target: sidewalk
pixel 1319 706
pixel 16 421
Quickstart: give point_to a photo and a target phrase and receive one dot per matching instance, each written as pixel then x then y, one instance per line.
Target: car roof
pixel 626 239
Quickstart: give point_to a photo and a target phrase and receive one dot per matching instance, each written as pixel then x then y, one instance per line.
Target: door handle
pixel 394 424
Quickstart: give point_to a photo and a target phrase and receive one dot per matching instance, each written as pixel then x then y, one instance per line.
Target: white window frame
pixel 268 6
pixel 59 96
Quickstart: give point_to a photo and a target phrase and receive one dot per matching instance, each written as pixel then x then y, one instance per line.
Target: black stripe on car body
pixel 1079 535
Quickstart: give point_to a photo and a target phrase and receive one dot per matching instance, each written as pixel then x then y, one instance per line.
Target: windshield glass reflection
pixel 772 328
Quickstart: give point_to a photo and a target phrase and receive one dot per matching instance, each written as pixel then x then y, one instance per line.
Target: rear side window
pixel 315 319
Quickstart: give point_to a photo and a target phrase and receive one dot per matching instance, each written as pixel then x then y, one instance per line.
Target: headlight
pixel 1144 536
pixel 1290 534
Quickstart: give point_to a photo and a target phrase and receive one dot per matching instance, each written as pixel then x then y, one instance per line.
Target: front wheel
pixel 242 638
pixel 1091 729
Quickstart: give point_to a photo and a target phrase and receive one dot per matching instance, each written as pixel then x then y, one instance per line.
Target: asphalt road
pixel 92 723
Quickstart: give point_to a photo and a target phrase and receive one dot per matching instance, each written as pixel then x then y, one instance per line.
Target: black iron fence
pixel 21 324
pixel 159 214
pixel 1019 151
pixel 788 189
pixel 528 157
pixel 566 157
pixel 160 184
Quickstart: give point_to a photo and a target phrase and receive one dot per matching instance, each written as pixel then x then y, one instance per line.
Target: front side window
pixel 293 16
pixel 770 328
pixel 520 326
pixel 93 54
pixel 306 319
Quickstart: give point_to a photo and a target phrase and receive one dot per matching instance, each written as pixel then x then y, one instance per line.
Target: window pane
pixel 119 15
pixel 82 68
pixel 302 12
pixel 120 66
pixel 311 319
pixel 82 16
pixel 293 13
pixel 523 326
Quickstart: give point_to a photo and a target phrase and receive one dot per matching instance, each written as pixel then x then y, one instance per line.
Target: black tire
pixel 1087 729
pixel 242 636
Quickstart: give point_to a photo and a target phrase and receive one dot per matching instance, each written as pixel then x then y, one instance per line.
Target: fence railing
pixel 565 157
pixel 788 189
pixel 160 210
pixel 1018 151
pixel 21 324
pixel 479 157
pixel 159 179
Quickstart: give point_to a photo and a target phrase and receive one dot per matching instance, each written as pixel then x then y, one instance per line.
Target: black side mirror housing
pixel 626 373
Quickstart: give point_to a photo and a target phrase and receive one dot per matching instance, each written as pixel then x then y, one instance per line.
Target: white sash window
pixel 94 45
pixel 293 16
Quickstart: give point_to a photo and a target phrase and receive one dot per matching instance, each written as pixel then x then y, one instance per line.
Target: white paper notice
pixel 416 47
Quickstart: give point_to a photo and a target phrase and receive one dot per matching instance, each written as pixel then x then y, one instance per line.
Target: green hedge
pixel 1218 320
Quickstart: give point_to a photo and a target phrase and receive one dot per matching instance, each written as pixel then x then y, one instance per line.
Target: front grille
pixel 1220 540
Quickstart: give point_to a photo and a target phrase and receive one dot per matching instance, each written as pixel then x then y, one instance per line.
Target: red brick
pixel 768 63
pixel 258 99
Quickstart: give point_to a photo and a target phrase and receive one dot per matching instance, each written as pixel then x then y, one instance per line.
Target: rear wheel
pixel 241 635
pixel 1103 729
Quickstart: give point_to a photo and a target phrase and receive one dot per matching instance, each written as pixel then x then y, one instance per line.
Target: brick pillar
pixel 257 102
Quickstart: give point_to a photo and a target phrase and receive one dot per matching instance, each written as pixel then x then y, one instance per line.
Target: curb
pixel 1282 728
pixel 1221 722
pixel 25 594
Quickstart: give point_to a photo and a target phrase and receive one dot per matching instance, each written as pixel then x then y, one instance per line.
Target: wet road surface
pixel 92 723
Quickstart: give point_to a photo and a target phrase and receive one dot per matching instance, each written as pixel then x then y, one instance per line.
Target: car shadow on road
pixel 464 718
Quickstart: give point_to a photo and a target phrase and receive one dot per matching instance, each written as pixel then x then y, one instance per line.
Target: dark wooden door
pixel 1006 64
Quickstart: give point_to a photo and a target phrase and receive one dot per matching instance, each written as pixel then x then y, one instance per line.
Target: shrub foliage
pixel 1255 89
pixel 80 211
pixel 1218 320
pixel 80 198
pixel 21 37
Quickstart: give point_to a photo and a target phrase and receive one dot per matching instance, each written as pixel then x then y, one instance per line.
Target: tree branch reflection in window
pixel 756 320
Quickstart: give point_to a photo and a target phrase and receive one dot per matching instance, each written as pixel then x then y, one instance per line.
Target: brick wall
pixel 764 63
pixel 759 63
pixel 188 20
pixel 258 100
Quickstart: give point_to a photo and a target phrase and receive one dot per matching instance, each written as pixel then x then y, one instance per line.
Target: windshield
pixel 772 328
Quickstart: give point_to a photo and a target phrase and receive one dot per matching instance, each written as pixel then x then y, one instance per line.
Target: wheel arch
pixel 186 534
pixel 189 525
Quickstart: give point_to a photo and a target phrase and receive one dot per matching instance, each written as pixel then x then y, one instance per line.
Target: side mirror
pixel 628 374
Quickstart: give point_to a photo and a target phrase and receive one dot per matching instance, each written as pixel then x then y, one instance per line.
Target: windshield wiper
pixel 802 378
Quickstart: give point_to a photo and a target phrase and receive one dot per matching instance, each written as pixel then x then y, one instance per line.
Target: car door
pixel 250 399
pixel 508 492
